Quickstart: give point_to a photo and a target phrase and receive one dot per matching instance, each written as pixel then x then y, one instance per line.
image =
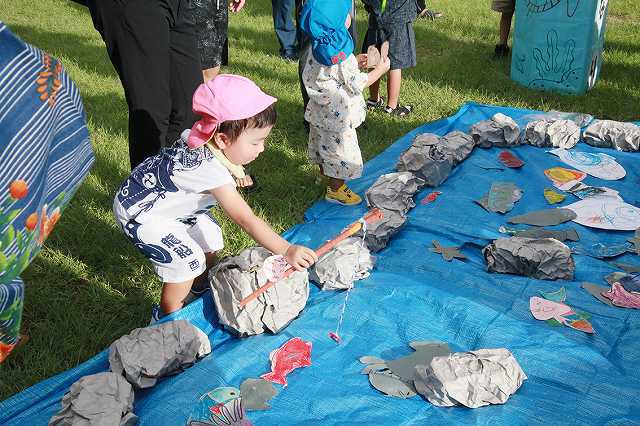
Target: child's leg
pixel 505 27
pixel 339 159
pixel 173 295
pixel 374 91
pixel 394 82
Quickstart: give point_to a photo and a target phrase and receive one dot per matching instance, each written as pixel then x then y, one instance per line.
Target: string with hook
pixel 335 335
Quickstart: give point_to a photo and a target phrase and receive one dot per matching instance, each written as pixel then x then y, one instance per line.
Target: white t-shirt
pixel 175 184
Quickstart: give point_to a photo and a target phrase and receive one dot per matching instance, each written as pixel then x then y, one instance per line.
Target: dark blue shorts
pixel 402 43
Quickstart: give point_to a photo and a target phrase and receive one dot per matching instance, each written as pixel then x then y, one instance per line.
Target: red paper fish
pixel 509 159
pixel 431 197
pixel 294 354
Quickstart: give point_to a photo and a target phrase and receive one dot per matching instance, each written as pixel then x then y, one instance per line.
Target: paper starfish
pixel 448 253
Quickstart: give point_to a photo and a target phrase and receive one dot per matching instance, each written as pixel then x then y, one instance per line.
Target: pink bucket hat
pixel 226 97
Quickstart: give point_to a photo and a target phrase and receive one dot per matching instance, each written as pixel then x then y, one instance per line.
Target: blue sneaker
pixel 156 314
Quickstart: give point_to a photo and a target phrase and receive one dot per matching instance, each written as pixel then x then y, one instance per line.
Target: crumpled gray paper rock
pixel 394 191
pixel 427 159
pixel 458 145
pixel 98 399
pixel 146 354
pixel 235 278
pixel 380 232
pixel 544 258
pixel 338 269
pixel 551 133
pixel 500 130
pixel 613 134
pixel 473 379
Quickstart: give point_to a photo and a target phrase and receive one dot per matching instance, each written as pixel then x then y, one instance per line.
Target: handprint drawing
pixel 553 69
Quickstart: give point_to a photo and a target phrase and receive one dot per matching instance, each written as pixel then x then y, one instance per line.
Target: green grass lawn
pixel 89 285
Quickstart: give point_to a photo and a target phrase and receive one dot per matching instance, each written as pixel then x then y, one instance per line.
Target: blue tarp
pixel 574 378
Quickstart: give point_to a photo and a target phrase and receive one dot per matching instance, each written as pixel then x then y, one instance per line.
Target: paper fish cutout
pixel 636 241
pixel 448 253
pixel 227 409
pixel 627 267
pixel 548 217
pixel 560 175
pixel 295 353
pixel 395 377
pixel 391 385
pixel 502 196
pixel 630 282
pixel 596 291
pixel 553 197
pixel 555 296
pixel 510 160
pixel 374 56
pixel 596 164
pixel 488 166
pixel 430 198
pixel 497 200
pixel 274 267
pixel 583 191
pixel 558 234
pixel 621 297
pixel 256 392
pixel 222 394
pixel 606 213
pixel 543 310
pixel 601 251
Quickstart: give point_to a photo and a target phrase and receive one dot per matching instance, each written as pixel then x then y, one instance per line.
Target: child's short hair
pixel 234 128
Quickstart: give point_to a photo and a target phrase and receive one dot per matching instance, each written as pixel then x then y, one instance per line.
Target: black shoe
pixel 372 105
pixel 292 56
pixel 502 51
pixel 399 111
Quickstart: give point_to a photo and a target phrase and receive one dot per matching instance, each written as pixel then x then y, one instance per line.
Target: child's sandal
pixel 399 111
pixel 371 104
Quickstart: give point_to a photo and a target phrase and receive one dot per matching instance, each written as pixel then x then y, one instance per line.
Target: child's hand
pixel 362 60
pixel 300 257
pixel 236 5
pixel 384 64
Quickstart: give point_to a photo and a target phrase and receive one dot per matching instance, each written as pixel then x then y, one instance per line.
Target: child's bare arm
pixel 239 211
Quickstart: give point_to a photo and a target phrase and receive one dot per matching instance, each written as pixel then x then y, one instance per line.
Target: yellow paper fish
pixel 553 197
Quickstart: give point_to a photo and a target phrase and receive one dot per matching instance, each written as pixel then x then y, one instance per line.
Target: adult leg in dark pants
pixel 285 29
pixel 152 46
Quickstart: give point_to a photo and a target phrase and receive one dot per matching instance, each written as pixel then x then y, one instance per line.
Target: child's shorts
pixel 176 248
pixel 402 43
pixel 337 153
pixel 503 6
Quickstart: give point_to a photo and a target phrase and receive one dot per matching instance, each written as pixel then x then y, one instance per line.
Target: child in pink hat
pixel 164 206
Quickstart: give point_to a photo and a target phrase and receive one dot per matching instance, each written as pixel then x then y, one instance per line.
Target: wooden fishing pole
pixel 371 217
